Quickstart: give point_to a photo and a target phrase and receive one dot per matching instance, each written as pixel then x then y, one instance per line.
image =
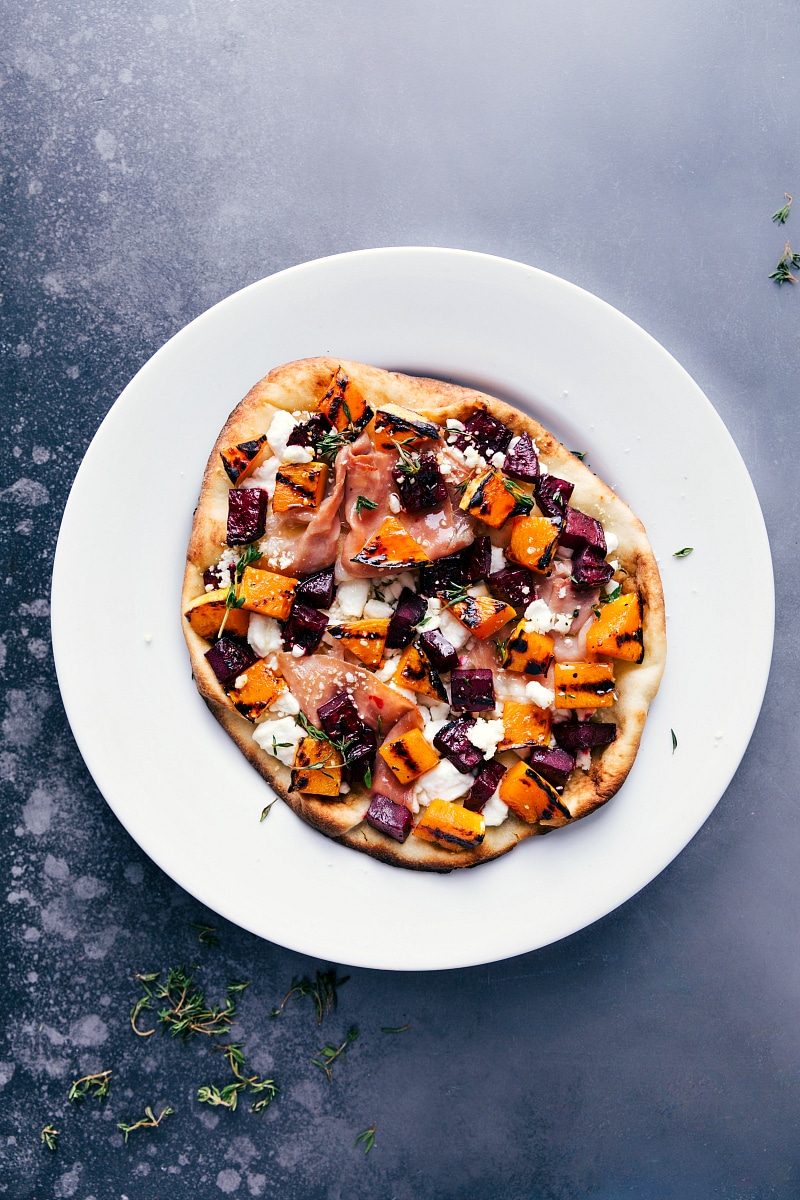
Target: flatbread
pixel 300 386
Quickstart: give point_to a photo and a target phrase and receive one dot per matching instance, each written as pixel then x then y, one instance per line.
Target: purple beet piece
pixel 453 743
pixel 581 530
pixel 339 717
pixel 487 435
pixel 443 574
pixel 310 432
pixel 211 576
pixel 247 515
pixel 410 610
pixel 478 559
pixel 553 765
pixel 360 754
pixel 423 490
pixel 305 628
pixel 485 785
pixel 517 585
pixel 471 689
pixel 317 591
pixel 390 818
pixel 573 736
pixel 442 653
pixel 522 462
pixel 589 568
pixel 229 658
pixel 552 495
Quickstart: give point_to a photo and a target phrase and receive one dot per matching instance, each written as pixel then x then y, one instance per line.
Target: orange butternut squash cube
pixel 317 768
pixel 532 798
pixel 393 424
pixel 343 403
pixel 391 548
pixel 240 461
pixel 482 615
pixel 524 725
pixel 409 755
pixel 267 593
pixel 366 639
pixel 299 485
pixel 206 614
pixel 528 652
pixel 617 632
pixel 584 685
pixel 258 688
pixel 487 498
pixel 533 543
pixel 451 825
pixel 416 672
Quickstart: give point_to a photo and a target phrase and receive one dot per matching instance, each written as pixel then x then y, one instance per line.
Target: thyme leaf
pixel 409 463
pixel 581 454
pixel 674 741
pixel 49 1137
pixel 232 597
pixel 329 1053
pixel 205 934
pixel 782 273
pixel 97 1085
pixel 266 811
pixel 362 502
pixel 782 215
pixel 523 499
pixel 393 1029
pixel 185 1011
pixel 329 445
pixel 228 1095
pixel 368 777
pixel 323 991
pixel 367 1137
pixel 148 1121
pixel 684 553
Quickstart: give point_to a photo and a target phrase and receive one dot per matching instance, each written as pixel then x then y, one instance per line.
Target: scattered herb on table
pixel 367 1137
pixel 185 1012
pixel 782 215
pixel 206 934
pixel 148 1121
pixel 782 273
pixel 228 1096
pixel 323 991
pixel 329 1053
pixel 49 1137
pixel 397 1029
pixel 684 553
pixel 362 502
pixel 97 1084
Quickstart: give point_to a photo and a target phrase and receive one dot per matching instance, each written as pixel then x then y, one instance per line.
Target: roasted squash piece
pixel 267 593
pixel 206 614
pixel 584 685
pixel 450 825
pixel 366 639
pixel 393 424
pixel 532 798
pixel 299 485
pixel 525 725
pixel 482 615
pixel 416 672
pixel 391 548
pixel 344 405
pixel 409 755
pixel 487 498
pixel 529 653
pixel 533 543
pixel 240 461
pixel 617 632
pixel 317 768
pixel 259 687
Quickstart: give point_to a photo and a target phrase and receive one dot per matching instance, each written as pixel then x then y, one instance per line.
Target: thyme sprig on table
pixel 782 273
pixel 396 1029
pixel 324 991
pixel 330 1053
pixel 185 1012
pixel 206 934
pixel 367 1137
pixel 228 1095
pixel 782 215
pixel 232 597
pixel 97 1085
pixel 49 1137
pixel 148 1121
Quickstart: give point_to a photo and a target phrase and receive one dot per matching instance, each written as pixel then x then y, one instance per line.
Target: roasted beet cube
pixel 589 568
pixel 443 574
pixel 517 585
pixel 410 610
pixel 453 743
pixel 424 489
pixel 552 495
pixel 478 559
pixel 317 591
pixel 442 654
pixel 247 515
pixel 229 658
pixel 486 783
pixel 522 462
pixel 360 754
pixel 471 689
pixel 487 435
pixel 583 735
pixel 553 765
pixel 390 818
pixel 581 530
pixel 339 717
pixel 305 628
pixel 310 432
pixel 213 578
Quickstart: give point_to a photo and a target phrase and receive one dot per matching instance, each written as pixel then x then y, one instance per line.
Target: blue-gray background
pixel 157 158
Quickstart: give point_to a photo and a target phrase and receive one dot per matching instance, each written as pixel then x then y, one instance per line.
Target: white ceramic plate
pixel 180 785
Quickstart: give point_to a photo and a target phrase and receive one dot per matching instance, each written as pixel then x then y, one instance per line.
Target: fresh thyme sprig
pixel 782 273
pixel 329 445
pixel 148 1121
pixel 581 454
pixel 362 502
pixel 205 934
pixel 323 991
pixel 524 501
pixel 228 1096
pixel 49 1137
pixel 409 464
pixel 185 1012
pixel 456 593
pixel 97 1084
pixel 232 597
pixel 329 1053
pixel 782 215
pixel 367 1137
pixel 342 744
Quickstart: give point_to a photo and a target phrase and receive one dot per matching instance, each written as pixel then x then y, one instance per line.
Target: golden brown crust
pixel 300 385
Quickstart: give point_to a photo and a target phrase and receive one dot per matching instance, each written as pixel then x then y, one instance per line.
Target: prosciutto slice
pixel 561 596
pixel 291 548
pixel 315 680
pixel 384 781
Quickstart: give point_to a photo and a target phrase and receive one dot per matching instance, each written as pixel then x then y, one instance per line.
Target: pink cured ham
pixel 561 596
pixel 384 780
pixel 315 680
pixel 481 655
pixel 317 545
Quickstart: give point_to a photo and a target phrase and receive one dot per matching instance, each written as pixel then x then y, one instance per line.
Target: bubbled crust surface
pixel 301 385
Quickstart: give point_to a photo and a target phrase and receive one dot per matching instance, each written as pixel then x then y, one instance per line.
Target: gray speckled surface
pixel 154 160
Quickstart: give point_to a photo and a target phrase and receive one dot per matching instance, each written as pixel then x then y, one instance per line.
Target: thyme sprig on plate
pixel 410 464
pixel 782 215
pixel 330 1053
pixel 367 1137
pixel 97 1085
pixel 524 500
pixel 232 597
pixel 148 1121
pixel 782 273
pixel 185 1012
pixel 324 991
pixel 49 1137
pixel 363 502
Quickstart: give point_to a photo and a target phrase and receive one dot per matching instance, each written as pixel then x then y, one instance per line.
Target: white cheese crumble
pixel 391 590
pixel 612 541
pixel 285 704
pixel 281 427
pixel 227 559
pixel 456 634
pixel 377 608
pixel 452 423
pixel 394 502
pixel 486 735
pixel 264 476
pixel 443 782
pixel 583 759
pixel 239 682
pixel 494 811
pixel 351 598
pixel 512 445
pixel 438 711
pixel 264 635
pixel 539 695
pixel 431 728
pixel 498 560
pixel 298 651
pixel 386 672
pixel 472 458
pixel 498 460
pixel 279 738
pixel 540 619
